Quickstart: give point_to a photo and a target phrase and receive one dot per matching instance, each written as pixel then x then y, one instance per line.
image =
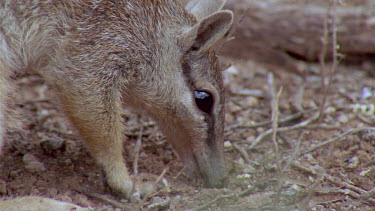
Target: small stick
pixel 220 197
pixel 337 138
pixel 335 54
pixel 275 119
pixel 322 58
pixel 324 127
pixel 311 188
pixel 353 190
pixel 104 199
pixel 154 186
pixel 368 194
pixel 365 120
pixel 243 152
pixel 299 97
pixel 180 172
pixel 295 152
pixel 135 163
pixel 284 129
pixel 266 123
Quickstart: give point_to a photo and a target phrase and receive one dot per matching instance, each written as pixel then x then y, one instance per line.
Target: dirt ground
pixel 315 164
pixel 44 156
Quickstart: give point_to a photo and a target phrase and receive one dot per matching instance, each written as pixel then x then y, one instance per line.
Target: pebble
pixel 233 108
pixel 244 176
pixel 227 144
pixel 52 146
pixel 32 164
pixel 330 110
pixel 250 102
pixel 260 130
pixel 364 172
pixel 82 200
pixel 142 155
pixel 13 174
pixel 250 139
pixel 248 169
pixel 229 117
pixel 240 161
pixel 352 163
pixel 343 118
pixel 65 198
pixel 318 208
pixel 52 192
pixel 35 192
pixel 3 187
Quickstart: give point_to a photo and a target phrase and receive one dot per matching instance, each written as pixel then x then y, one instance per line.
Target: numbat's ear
pixel 203 35
pixel 203 8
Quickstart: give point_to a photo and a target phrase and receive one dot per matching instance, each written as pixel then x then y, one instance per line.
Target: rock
pixel 351 163
pixel 250 102
pixel 343 118
pixel 330 110
pixel 233 108
pixel 244 176
pixel 250 139
pixel 82 200
pixel 65 198
pixel 227 144
pixel 35 167
pixel 52 192
pixel 35 192
pixel 52 146
pixel 32 164
pixel 249 169
pixel 3 187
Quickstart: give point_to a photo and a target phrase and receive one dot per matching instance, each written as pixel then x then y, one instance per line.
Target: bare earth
pixel 45 157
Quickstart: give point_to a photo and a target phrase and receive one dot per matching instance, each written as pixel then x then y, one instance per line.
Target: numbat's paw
pixel 145 184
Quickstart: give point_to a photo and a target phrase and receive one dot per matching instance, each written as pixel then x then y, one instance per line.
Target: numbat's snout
pixel 100 56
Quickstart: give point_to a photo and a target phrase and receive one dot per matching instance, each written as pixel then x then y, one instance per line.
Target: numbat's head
pixel 185 91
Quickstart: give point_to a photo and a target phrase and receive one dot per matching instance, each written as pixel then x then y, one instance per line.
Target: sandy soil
pixel 45 157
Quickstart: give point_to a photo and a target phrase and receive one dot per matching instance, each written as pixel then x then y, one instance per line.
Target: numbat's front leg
pixel 96 113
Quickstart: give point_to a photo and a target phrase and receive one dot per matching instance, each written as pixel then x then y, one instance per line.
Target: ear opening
pixel 211 29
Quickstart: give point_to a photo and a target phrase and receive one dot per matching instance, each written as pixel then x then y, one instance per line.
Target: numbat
pixel 102 55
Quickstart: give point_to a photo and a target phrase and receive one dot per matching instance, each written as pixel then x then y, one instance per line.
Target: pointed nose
pixel 213 171
pixel 217 181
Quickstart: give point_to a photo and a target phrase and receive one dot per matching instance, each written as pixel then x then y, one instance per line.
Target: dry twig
pixel 295 151
pixel 351 190
pixel 298 97
pixel 243 152
pixel 105 199
pixel 230 129
pixel 322 58
pixel 135 162
pixel 149 194
pixel 335 47
pixel 338 138
pixel 220 197
pixel 275 118
pixel 284 129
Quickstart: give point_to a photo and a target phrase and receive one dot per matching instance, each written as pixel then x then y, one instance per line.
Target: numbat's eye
pixel 204 101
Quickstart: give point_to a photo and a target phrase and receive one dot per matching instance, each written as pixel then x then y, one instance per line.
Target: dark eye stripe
pixel 204 101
